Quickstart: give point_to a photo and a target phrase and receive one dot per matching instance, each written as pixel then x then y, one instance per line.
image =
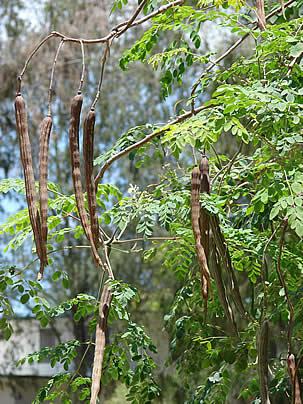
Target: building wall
pixel 19 390
pixel 19 385
pixel 28 337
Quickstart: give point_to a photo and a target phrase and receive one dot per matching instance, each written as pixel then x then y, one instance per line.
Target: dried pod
pixel 76 106
pixel 204 170
pixel 45 130
pixel 29 179
pixel 226 261
pixel 100 343
pixel 295 380
pixel 263 362
pixel 88 154
pixel 204 217
pixel 261 15
pixel 195 217
pixel 217 273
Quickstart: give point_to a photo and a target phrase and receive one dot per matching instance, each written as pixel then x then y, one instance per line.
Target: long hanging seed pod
pixel 217 273
pixel 29 179
pixel 226 260
pixel 205 240
pixel 294 377
pixel 45 130
pixel 88 154
pixel 76 106
pixel 261 14
pixel 263 362
pixel 195 216
pixel 204 217
pixel 100 343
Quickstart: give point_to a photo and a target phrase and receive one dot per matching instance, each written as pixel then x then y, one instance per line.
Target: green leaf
pixel 24 298
pixel 274 212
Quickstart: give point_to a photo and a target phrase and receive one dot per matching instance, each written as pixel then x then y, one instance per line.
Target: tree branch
pixel 114 33
pixel 134 240
pixel 145 140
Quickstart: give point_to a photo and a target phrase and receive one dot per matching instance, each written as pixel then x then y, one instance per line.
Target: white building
pixel 19 385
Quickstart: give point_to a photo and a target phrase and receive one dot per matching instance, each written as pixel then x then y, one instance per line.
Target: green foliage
pixel 54 390
pixel 63 353
pixel 13 283
pixel 128 360
pixel 122 294
pixel 61 205
pixel 85 306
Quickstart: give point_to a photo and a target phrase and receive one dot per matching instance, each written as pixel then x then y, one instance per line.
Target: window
pixel 47 338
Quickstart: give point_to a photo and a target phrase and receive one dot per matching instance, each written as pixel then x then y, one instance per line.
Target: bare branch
pixel 134 240
pixel 115 32
pixel 50 89
pixel 132 19
pixel 83 68
pixel 105 56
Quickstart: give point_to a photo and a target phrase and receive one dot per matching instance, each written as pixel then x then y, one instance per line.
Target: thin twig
pixel 133 240
pixel 30 56
pixel 105 55
pixel 181 118
pixel 132 19
pixel 50 89
pixel 104 39
pixel 292 63
pixel 83 67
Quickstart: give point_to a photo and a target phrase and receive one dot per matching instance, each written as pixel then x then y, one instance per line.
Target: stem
pixel 33 52
pixel 103 62
pixel 132 19
pixel 83 68
pixel 133 240
pixel 113 33
pixel 50 89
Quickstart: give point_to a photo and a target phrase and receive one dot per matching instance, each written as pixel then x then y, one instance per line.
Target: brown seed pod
pixel 204 217
pixel 45 130
pixel 217 273
pixel 295 380
pixel 263 362
pixel 261 14
pixel 195 216
pixel 76 106
pixel 100 343
pixel 226 261
pixel 29 179
pixel 88 154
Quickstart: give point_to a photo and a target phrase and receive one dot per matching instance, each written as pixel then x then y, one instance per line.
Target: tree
pixel 246 228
